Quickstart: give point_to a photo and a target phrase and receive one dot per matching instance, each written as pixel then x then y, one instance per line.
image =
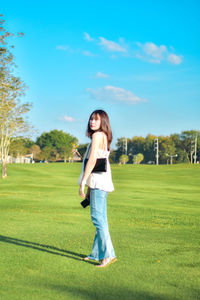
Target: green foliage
pixel 138 158
pixel 18 147
pixel 47 153
pixel 82 149
pixel 57 144
pixel 149 154
pixel 166 146
pixel 180 144
pixel 35 149
pixel 120 149
pixel 123 158
pixel 153 219
pixel 112 157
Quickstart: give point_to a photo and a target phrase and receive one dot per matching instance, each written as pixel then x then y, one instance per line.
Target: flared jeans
pixel 102 246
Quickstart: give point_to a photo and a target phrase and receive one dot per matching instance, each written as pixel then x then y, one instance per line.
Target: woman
pixel 99 184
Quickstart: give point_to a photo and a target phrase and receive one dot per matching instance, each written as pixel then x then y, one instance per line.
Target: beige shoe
pixel 106 262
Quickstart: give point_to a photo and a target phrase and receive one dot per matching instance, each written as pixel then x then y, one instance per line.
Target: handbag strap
pixel 87 151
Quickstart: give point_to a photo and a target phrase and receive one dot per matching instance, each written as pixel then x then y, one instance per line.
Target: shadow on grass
pixel 107 292
pixel 45 248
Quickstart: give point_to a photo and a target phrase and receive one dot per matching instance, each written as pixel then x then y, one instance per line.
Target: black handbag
pixel 100 166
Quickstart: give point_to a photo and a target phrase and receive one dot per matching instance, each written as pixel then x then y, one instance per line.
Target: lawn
pixel 154 218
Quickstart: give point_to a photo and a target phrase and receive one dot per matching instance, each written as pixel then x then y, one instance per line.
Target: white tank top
pixel 100 180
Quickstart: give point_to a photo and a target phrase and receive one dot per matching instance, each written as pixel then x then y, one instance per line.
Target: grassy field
pixel 154 218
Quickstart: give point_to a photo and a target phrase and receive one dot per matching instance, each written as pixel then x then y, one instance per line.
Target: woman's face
pixel 95 122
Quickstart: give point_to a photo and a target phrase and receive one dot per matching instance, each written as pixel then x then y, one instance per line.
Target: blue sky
pixel 138 60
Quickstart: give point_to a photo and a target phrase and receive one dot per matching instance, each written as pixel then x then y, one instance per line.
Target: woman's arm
pixel 88 193
pixel 96 141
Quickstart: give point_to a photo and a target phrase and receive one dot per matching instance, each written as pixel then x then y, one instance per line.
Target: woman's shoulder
pixel 98 135
pixel 99 138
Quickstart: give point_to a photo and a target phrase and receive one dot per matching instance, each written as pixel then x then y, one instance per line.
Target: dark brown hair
pixel 104 126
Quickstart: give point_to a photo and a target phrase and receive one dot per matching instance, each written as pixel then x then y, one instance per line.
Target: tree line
pixel 49 146
pixel 57 145
pixel 176 148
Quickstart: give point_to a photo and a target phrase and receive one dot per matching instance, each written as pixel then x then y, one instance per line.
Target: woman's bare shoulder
pixel 98 135
pixel 99 138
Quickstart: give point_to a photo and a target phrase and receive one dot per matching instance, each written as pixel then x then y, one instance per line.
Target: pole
pixel 195 151
pixel 157 149
pixel 171 158
pixel 191 155
pixel 124 145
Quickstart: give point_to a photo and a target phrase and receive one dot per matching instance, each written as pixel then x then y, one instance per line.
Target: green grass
pixel 154 218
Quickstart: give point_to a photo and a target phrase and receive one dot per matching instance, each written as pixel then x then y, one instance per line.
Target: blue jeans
pixel 102 246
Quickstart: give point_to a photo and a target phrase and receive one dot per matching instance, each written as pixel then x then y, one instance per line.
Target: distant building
pixel 24 159
pixel 28 158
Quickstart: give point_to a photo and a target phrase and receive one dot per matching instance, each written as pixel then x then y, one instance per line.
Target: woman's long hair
pixel 104 126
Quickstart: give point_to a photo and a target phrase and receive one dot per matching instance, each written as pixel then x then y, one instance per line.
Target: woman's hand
pixel 82 189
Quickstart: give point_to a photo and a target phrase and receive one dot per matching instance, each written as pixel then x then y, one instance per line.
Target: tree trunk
pixel 4 175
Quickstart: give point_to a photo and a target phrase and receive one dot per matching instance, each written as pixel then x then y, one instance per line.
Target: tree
pixel 166 148
pixel 46 153
pixel 112 156
pixel 123 158
pixel 35 149
pixel 63 143
pixel 137 159
pixel 20 146
pixel 136 145
pixel 17 147
pixel 149 152
pixel 12 88
pixel 82 149
pixel 120 148
pixel 182 155
pixel 187 138
pixel 66 151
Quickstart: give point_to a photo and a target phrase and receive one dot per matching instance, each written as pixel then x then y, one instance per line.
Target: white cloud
pixel 113 93
pixel 156 54
pixel 102 75
pixel 151 52
pixel 154 51
pixel 112 46
pixel 68 119
pixel 88 37
pixel 174 59
pixel 88 53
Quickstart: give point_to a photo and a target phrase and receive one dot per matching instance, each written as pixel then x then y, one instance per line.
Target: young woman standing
pixel 99 184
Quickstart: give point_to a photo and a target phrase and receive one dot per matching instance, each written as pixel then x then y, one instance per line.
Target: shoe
pixel 106 262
